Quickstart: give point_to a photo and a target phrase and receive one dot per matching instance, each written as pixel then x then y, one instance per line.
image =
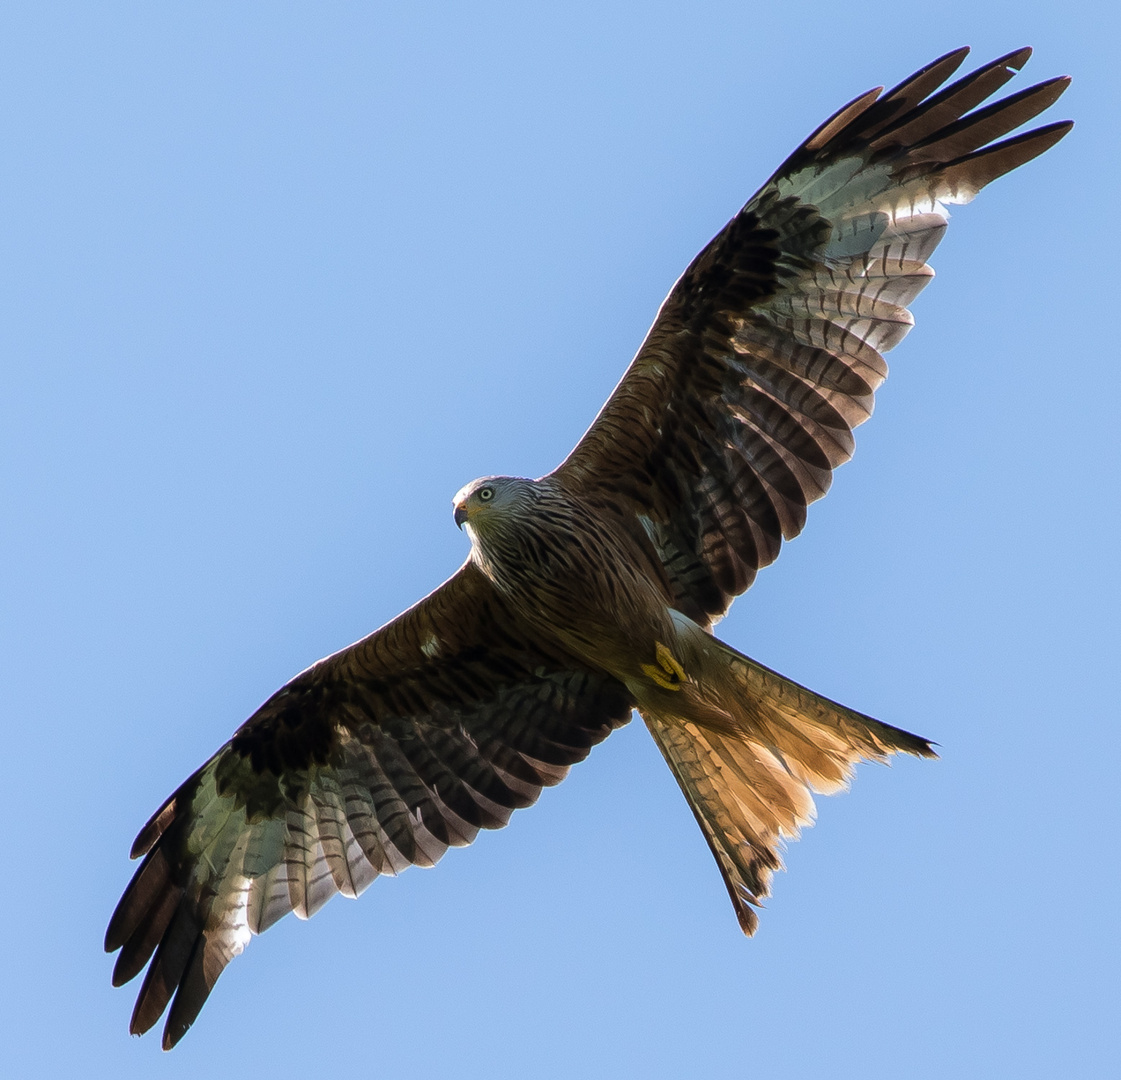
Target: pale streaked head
pixel 488 498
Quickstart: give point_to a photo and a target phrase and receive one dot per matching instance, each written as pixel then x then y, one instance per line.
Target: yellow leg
pixel 668 673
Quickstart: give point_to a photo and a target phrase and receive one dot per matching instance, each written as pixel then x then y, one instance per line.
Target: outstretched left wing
pixel 381 756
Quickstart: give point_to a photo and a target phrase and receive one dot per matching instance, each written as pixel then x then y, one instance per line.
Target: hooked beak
pixel 460 513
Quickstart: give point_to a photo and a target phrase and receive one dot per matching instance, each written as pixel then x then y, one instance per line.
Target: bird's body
pixel 593 591
pixel 549 553
pixel 578 577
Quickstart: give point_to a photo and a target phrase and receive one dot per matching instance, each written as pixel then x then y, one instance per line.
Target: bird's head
pixel 488 499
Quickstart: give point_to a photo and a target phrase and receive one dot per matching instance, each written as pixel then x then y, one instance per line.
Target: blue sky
pixel 279 278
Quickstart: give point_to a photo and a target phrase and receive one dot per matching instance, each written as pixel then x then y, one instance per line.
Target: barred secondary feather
pixel 593 591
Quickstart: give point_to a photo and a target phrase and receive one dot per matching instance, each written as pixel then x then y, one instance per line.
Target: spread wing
pixel 742 400
pixel 383 755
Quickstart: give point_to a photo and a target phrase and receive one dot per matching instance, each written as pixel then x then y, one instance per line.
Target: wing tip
pixel 154 829
pixel 1015 59
pixel 841 118
pixel 978 169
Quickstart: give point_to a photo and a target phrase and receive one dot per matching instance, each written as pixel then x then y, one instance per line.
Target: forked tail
pixel 749 783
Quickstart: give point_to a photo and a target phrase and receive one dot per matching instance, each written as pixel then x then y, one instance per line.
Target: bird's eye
pixel 486 494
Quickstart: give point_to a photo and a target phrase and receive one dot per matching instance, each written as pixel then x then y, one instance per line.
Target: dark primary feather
pixel 766 354
pixel 379 757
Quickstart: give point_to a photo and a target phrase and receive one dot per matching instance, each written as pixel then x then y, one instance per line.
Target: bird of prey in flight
pixel 592 592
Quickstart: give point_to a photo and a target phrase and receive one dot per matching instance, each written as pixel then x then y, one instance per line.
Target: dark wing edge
pixel 381 756
pixel 766 354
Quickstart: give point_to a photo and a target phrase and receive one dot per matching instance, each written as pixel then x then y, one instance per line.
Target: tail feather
pixel 734 838
pixel 749 779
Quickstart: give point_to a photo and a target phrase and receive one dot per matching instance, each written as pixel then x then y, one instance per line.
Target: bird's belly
pixel 594 602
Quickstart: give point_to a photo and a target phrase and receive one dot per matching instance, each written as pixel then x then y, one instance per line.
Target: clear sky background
pixel 278 278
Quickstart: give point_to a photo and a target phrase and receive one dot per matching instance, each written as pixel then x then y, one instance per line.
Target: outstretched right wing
pixel 765 355
pixel 381 756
